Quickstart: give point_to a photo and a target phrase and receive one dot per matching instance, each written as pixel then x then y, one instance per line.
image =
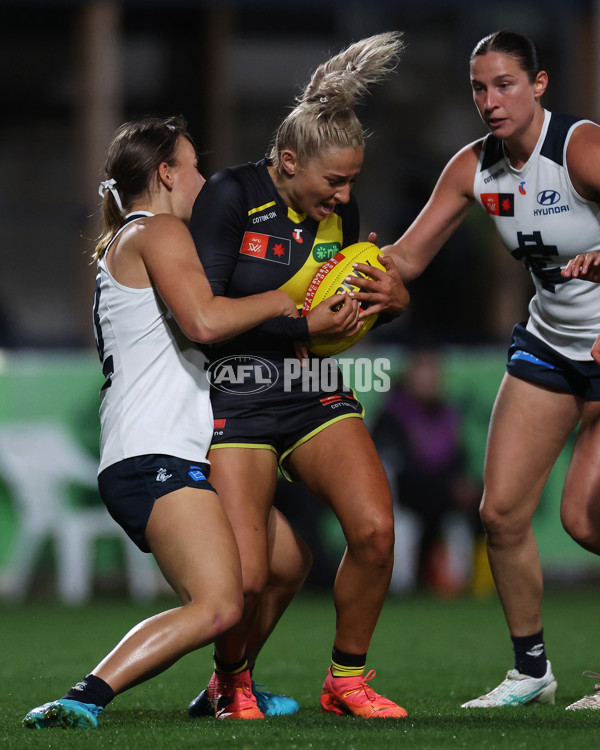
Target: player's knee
pixel 374 537
pixel 291 577
pixel 227 615
pixel 499 521
pixel 581 529
pixel 204 619
pixel 255 581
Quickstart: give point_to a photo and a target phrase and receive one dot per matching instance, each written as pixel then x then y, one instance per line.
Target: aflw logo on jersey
pixel 266 247
pixel 499 204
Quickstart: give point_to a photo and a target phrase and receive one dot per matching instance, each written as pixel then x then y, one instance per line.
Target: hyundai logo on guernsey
pixel 239 374
pixel 548 199
pixel 196 474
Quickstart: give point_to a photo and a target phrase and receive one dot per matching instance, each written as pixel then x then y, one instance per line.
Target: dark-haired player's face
pixel 323 182
pixel 503 94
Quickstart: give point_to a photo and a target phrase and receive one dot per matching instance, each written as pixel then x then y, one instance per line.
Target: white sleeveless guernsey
pixel 543 221
pixel 156 395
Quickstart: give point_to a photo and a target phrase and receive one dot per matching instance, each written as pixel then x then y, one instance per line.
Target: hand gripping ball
pixel 330 279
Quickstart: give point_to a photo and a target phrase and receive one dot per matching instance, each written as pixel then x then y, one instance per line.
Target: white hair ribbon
pixel 110 185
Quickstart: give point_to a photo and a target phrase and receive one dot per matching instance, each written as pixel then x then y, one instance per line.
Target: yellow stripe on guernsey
pixel 260 208
pixel 330 233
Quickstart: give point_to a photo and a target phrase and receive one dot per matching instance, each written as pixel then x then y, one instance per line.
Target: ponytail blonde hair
pixel 324 116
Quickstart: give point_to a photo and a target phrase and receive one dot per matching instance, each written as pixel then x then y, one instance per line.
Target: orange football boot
pixel 232 697
pixel 351 696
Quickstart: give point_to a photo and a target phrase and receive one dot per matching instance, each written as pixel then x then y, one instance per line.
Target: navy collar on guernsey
pixel 136 215
pixel 127 220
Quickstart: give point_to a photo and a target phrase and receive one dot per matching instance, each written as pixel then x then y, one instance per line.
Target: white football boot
pixel 588 701
pixel 518 690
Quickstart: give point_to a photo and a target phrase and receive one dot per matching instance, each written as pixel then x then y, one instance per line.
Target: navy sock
pixel 91 689
pixel 530 654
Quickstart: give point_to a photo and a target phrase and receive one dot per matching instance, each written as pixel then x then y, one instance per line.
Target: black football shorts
pixel 130 488
pixel 275 411
pixel 531 359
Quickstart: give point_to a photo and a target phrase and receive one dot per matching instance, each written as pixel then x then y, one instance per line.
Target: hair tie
pixel 110 185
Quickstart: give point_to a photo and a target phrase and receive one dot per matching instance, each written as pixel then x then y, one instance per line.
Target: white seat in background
pixel 38 461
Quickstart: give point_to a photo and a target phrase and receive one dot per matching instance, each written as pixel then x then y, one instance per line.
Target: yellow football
pixel 330 279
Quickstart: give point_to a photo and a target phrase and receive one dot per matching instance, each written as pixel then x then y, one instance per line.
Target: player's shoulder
pixel 150 231
pixel 235 187
pixel 585 133
pixel 238 175
pixel 463 166
pixel 583 159
pixel 470 154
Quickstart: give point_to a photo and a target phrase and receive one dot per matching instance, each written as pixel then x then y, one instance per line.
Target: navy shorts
pixel 129 488
pixel 531 359
pixel 285 414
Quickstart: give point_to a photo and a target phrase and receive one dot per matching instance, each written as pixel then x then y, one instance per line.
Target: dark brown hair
pixel 515 45
pixel 132 161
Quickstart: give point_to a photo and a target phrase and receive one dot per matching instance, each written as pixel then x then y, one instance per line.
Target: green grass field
pixel 430 656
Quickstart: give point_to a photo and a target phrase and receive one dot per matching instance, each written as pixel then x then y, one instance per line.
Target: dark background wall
pixel 72 71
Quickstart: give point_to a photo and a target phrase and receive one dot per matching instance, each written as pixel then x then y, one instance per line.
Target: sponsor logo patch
pixel 548 197
pixel 267 247
pixel 162 476
pixel 196 474
pixel 499 204
pixel 326 251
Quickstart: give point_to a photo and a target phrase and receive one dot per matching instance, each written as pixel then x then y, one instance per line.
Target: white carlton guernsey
pixel 156 395
pixel 543 221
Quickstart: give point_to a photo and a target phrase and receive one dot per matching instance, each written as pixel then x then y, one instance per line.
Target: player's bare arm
pixel 412 253
pixel 583 161
pixel 183 286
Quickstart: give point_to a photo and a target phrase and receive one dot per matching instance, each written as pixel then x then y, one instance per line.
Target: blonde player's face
pixel 319 185
pixel 188 181
pixel 503 94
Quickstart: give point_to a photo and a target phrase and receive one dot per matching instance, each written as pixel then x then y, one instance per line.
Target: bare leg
pixel 289 564
pixel 341 467
pixel 192 541
pixel 245 479
pixel 580 510
pixel 529 427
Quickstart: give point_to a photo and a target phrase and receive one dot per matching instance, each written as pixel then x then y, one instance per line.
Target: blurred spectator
pixel 419 439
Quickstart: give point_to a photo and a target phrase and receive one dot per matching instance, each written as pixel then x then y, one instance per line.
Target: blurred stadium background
pixel 72 71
